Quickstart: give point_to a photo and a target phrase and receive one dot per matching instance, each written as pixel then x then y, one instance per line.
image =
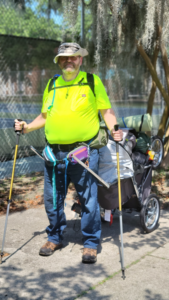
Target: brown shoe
pixel 89 255
pixel 49 248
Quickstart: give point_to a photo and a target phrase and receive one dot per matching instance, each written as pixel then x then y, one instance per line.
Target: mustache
pixel 66 63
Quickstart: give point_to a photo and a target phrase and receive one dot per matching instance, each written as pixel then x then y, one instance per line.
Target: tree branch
pixel 153 87
pixel 166 110
pixel 153 73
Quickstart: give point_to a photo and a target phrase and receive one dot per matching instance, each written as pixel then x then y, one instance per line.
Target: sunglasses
pixel 64 58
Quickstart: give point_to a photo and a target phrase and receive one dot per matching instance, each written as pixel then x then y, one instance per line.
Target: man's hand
pixel 110 120
pixel 21 125
pixel 37 123
pixel 117 135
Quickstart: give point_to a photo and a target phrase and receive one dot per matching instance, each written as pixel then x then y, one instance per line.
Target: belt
pixel 68 147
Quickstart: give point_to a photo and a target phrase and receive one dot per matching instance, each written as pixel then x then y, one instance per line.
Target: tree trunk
pixel 166 142
pixel 166 111
pixel 163 122
pixel 165 63
pixel 153 87
pixel 154 61
pixel 153 73
pixel 49 9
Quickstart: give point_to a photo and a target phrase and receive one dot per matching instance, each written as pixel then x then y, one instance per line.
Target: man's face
pixel 69 64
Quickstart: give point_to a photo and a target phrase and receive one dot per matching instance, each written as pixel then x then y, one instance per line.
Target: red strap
pixel 111 219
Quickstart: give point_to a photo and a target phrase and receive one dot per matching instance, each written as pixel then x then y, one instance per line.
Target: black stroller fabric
pixel 139 161
pixel 139 158
pixel 109 199
pixel 130 142
pixel 144 181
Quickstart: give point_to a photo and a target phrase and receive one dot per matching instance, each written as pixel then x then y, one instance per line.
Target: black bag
pixel 143 143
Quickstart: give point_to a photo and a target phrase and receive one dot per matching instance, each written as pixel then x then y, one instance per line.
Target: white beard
pixel 68 72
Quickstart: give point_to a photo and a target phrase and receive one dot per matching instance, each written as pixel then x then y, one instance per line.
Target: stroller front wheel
pixel 150 213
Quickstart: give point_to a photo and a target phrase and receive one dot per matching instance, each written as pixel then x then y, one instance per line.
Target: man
pixel 70 115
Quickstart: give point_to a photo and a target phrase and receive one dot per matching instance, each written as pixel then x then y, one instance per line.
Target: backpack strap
pixel 90 82
pixel 52 81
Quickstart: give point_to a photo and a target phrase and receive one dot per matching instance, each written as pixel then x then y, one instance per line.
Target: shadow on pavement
pixel 72 279
pixel 34 234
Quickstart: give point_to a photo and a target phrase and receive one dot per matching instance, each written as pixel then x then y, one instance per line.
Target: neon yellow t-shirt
pixel 74 114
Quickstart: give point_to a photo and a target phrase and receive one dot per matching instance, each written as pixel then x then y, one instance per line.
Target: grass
pixel 21 176
pixel 114 274
pixel 161 172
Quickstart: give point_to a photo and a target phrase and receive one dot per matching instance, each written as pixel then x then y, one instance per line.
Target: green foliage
pixel 25 54
pixel 72 21
pixel 45 7
pixel 28 24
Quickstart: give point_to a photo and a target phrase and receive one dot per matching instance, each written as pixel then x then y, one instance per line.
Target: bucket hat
pixel 70 49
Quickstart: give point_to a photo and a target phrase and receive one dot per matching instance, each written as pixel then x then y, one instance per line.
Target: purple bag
pixel 81 153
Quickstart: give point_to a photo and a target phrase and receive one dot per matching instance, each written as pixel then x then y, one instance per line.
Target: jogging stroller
pixel 135 176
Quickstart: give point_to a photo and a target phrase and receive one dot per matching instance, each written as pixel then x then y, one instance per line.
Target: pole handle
pixel 116 127
pixel 18 132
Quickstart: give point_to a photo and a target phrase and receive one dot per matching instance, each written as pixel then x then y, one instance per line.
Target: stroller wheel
pixel 158 148
pixel 150 213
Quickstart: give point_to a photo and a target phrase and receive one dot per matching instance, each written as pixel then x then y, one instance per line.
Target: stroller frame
pixel 136 191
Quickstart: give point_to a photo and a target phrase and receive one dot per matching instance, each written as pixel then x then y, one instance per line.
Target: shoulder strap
pixel 55 77
pixel 141 124
pixel 90 80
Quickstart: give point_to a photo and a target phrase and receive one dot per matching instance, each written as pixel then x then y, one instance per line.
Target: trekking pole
pixel 116 127
pixel 10 192
pixel 89 170
pixel 37 152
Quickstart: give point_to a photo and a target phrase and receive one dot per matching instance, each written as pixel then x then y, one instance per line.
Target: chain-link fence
pixel 129 88
pixel 29 39
pixel 21 94
pixel 26 66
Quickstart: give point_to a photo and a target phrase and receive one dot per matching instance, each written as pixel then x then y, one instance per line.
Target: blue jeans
pixel 86 187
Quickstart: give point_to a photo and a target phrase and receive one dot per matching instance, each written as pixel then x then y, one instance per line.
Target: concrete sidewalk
pixel 26 275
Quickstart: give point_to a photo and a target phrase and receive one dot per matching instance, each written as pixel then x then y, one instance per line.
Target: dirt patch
pixel 27 192
pixel 160 186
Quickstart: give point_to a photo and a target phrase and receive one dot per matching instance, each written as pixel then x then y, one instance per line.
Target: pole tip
pixel 123 274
